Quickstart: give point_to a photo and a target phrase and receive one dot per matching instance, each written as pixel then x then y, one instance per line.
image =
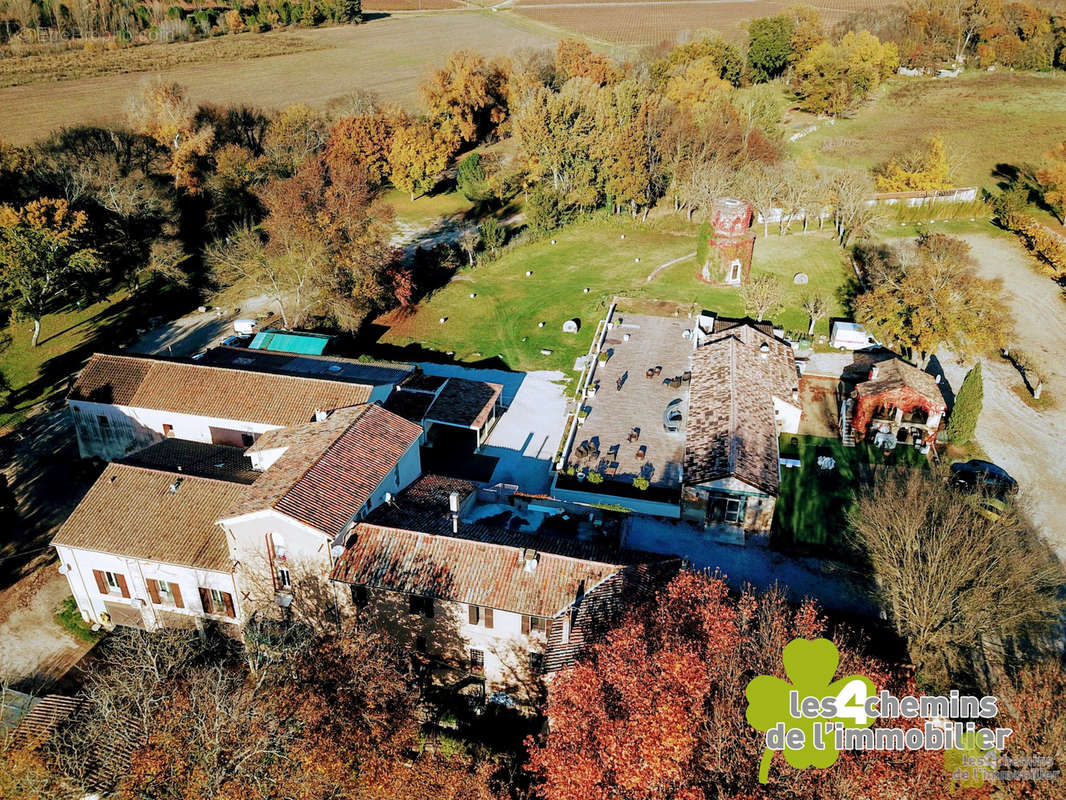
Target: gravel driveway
pixel 1027 443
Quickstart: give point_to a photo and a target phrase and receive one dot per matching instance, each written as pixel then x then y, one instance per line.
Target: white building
pixel 123 403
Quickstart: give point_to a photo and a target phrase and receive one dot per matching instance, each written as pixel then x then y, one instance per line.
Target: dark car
pixel 977 475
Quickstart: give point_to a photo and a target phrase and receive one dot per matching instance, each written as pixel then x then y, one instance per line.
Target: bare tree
pixel 960 583
pixel 469 240
pixel 816 305
pixel 853 211
pixel 762 295
pixel 762 184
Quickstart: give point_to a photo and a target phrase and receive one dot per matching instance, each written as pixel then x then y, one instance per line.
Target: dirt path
pixel 1027 443
pixel 36 651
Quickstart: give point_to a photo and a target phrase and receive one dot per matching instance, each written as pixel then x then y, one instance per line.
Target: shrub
pixel 641 483
pixel 470 178
pixel 595 477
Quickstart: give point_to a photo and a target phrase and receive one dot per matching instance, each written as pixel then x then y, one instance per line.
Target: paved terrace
pixel 625 415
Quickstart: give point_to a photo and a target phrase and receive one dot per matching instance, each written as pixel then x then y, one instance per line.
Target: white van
pixel 850 336
pixel 244 327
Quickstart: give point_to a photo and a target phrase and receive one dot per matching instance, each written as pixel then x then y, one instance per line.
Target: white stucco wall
pixel 133 428
pixel 787 415
pixel 136 571
pixel 449 635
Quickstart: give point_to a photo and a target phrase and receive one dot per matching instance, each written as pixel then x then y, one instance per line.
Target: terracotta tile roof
pixel 464 402
pixel 481 565
pixel 219 461
pixel 731 426
pixel 330 468
pixel 111 759
pixel 192 388
pixel 896 374
pixel 130 511
pixel 600 610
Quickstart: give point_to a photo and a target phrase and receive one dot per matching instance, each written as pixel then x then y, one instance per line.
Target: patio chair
pixel 642 451
pixel 650 373
pixel 687 376
pixel 658 369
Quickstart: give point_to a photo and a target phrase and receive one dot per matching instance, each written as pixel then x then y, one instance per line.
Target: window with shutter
pixel 525 624
pixel 175 590
pixel 123 589
pixel 477 661
pixel 153 589
pixel 488 617
pixel 205 600
pixel 360 596
pixel 475 614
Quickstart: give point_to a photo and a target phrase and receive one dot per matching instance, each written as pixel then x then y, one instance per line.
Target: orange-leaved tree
pixel 658 708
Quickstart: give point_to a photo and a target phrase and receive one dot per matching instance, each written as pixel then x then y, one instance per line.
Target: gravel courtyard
pixel 1027 443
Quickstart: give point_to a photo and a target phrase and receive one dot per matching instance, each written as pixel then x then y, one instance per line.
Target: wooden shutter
pixel 525 624
pixel 205 600
pixel 473 614
pixel 176 591
pixel 122 587
pixel 153 589
pixel 429 607
pixel 227 599
pixel 488 617
pixel 101 581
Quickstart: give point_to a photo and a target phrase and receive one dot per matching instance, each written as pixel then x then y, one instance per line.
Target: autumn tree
pixel 43 257
pixel 1030 703
pixel 830 79
pixel 657 710
pixel 762 295
pixel 922 168
pixel 1052 178
pixel 931 297
pixel 363 139
pixel 967 409
pixel 466 99
pixel 162 112
pixel 727 59
pixel 574 59
pixel 417 156
pixel 959 587
pixel 817 306
pixel 295 134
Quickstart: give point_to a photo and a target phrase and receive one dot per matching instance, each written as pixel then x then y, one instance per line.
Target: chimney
pixel 530 559
pixel 764 350
pixel 873 372
pixel 795 395
pixel 176 485
pixel 453 502
pixel 320 415
pixel 455 523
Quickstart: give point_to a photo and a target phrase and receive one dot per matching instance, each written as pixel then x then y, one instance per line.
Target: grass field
pixel 67 339
pixel 985 119
pixel 388 55
pixel 502 320
pixel 78 63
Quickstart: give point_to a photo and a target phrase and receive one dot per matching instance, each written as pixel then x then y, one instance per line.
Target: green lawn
pixel 813 504
pixel 427 210
pixel 68 337
pixel 502 320
pixel 986 118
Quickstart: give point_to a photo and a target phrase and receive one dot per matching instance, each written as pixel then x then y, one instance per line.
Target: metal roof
pixel 313 344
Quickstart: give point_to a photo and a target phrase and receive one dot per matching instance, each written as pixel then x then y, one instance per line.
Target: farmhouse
pixel 681 419
pixel 121 403
pixel 503 604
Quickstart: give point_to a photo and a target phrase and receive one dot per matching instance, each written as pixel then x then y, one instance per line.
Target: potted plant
pixel 641 483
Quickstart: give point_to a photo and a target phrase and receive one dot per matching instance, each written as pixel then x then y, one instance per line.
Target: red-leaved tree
pixel 657 710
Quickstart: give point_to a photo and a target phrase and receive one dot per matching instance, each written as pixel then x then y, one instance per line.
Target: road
pixel 1027 443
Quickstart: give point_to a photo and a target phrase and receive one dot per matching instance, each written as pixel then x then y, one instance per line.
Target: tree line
pixel 128 21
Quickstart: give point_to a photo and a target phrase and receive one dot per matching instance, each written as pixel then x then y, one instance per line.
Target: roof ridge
pixel 314 462
pixel 162 471
pixel 733 403
pixel 476 526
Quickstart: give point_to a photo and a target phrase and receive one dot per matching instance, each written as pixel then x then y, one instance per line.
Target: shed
pixel 311 344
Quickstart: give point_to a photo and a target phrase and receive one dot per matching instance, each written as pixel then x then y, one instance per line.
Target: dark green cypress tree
pixel 963 420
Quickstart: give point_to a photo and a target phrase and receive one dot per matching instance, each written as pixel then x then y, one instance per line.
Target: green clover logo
pixel 966 764
pixel 810 666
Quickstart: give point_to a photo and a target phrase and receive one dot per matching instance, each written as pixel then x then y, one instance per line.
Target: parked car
pixel 236 341
pixel 977 475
